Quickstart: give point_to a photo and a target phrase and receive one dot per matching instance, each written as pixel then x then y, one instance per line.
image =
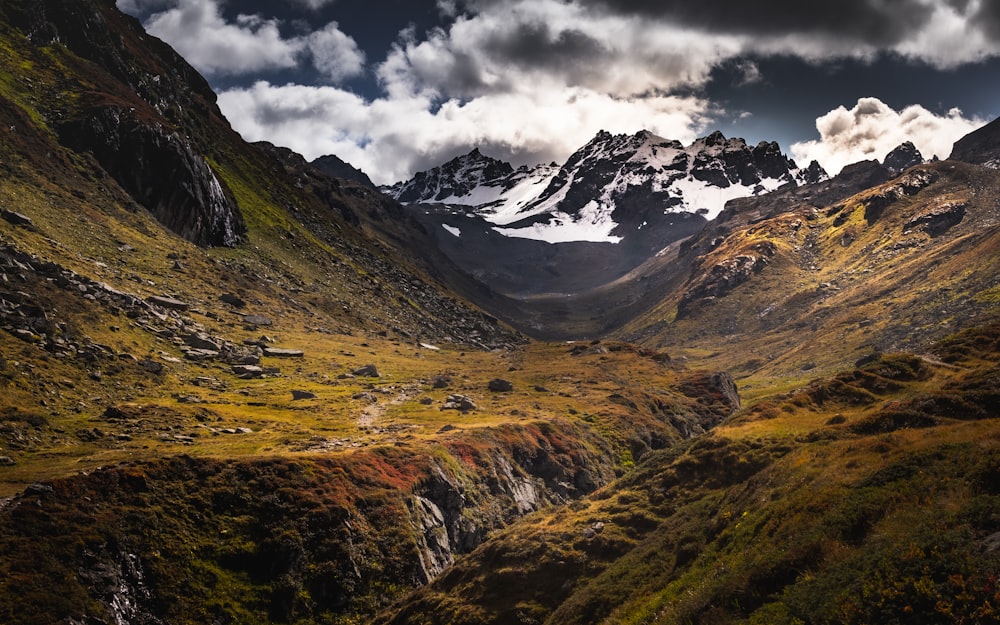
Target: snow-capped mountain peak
pixel 610 187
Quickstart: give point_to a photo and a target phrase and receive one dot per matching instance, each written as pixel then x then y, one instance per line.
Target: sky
pixel 399 86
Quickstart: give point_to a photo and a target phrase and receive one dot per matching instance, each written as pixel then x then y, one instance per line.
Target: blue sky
pixel 397 86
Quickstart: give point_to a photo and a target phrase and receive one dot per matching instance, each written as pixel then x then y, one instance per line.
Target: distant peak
pixel 716 138
pixel 904 156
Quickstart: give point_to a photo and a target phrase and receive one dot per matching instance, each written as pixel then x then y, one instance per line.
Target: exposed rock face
pixel 905 186
pixel 161 171
pixel 902 158
pixel 97 31
pixel 726 275
pixel 938 219
pixel 981 147
pixel 723 384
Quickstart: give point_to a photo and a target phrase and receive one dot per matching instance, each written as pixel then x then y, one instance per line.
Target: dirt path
pixel 370 415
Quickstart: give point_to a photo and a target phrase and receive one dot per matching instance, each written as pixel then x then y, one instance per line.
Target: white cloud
pixel 951 37
pixel 871 129
pixel 199 32
pixel 391 138
pixel 513 46
pixel 335 54
pixel 315 5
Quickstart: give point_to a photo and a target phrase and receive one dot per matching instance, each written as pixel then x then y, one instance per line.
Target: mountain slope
pixel 884 269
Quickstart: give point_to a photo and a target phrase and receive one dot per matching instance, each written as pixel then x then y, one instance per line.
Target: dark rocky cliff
pixel 162 172
pixel 147 119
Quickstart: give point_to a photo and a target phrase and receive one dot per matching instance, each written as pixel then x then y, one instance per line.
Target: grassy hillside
pixel 866 497
pixel 792 289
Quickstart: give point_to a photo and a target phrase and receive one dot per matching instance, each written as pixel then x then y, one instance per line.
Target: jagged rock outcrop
pixel 938 219
pixel 161 171
pixel 725 275
pixel 905 186
pixel 97 31
pixel 903 157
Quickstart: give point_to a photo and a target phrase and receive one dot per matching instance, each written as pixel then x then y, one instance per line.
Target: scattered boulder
pixel 441 381
pixel 151 366
pixel 278 352
pixel 248 371
pixel 499 385
pixel 459 402
pixel 367 371
pixel 168 303
pixel 232 300
pixel 199 355
pixel 15 218
pixel 257 320
pixel 297 395
pixel 200 340
pixel 6 461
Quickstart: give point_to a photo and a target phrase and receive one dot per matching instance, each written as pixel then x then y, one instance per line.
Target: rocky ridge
pixel 608 189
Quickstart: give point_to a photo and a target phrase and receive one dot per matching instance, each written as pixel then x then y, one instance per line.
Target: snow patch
pixel 593 225
pixel 452 230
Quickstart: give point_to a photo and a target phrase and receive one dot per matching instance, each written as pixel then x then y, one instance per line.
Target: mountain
pixel 610 188
pixel 614 204
pixel 237 389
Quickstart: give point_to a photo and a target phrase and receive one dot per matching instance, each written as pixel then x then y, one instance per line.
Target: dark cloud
pixel 571 52
pixel 988 18
pixel 877 22
pixel 536 43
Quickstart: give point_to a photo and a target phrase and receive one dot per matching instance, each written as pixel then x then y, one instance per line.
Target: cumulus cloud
pixel 139 7
pixel 335 54
pixel 872 129
pixel 391 138
pixel 315 5
pixel 511 46
pixel 199 32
